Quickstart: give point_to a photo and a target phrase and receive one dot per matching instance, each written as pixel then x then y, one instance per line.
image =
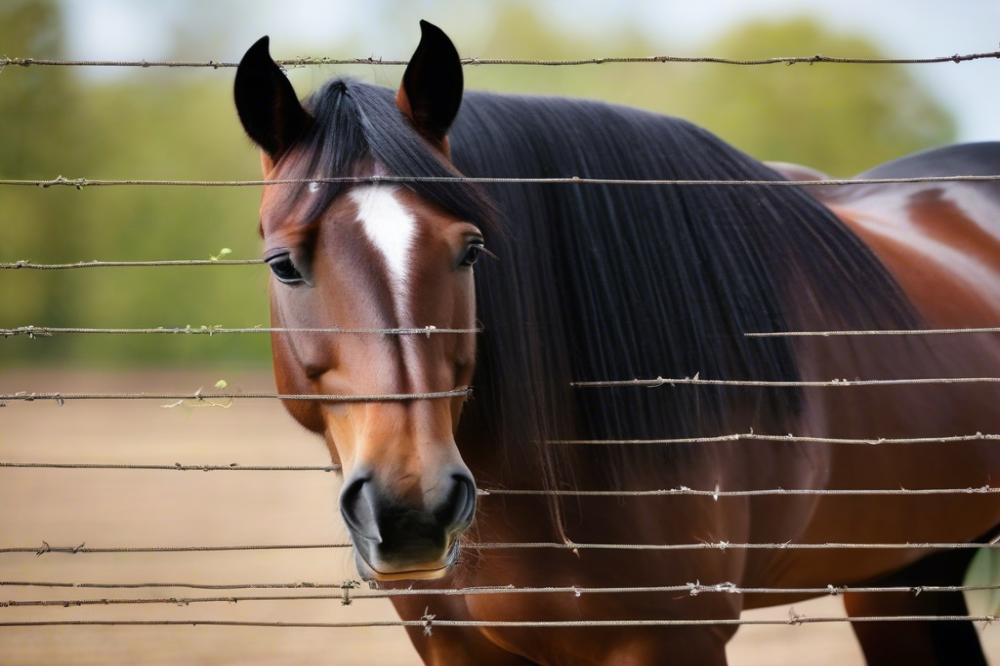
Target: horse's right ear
pixel 266 102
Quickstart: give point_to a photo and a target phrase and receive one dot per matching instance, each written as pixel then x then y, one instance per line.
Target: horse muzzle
pixel 397 539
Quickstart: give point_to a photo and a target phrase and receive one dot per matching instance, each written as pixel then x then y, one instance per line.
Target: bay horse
pixel 573 282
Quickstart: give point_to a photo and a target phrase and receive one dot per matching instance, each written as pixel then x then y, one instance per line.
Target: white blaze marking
pixel 391 228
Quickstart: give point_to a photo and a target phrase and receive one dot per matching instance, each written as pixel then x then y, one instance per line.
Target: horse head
pixel 373 255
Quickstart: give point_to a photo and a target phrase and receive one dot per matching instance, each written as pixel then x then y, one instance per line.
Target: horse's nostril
pixel 358 508
pixel 460 504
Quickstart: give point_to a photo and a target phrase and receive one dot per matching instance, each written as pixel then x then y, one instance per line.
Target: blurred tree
pixel 841 119
pixel 36 137
pixel 837 118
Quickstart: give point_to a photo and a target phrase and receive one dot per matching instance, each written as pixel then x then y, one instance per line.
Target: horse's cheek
pixel 288 380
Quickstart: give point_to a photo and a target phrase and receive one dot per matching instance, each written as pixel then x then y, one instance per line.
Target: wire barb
pixel 345 589
pixel 428 619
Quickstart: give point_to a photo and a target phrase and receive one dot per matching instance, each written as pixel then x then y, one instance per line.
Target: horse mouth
pixel 369 572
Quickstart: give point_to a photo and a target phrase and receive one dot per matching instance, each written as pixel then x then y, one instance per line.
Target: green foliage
pixel 156 125
pixel 838 118
pixel 180 124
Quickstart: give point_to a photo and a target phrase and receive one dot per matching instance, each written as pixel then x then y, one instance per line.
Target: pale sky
pixel 908 28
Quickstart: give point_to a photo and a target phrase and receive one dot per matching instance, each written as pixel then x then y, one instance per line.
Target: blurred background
pixel 157 123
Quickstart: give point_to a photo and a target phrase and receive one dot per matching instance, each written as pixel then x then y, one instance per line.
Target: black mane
pixel 617 282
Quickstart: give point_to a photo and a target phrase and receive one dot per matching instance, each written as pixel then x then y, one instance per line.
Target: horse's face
pixel 382 258
pixel 378 256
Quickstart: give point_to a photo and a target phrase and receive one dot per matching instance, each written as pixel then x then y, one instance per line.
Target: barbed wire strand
pixel 767 383
pixel 83 549
pixel 49 331
pixel 350 593
pixel 499 492
pixel 33 330
pixel 26 264
pixel 693 589
pixel 177 467
pixel 475 62
pixel 789 439
pixel 858 333
pixel 37 331
pixel 197 396
pixel 428 622
pixel 81 183
pixel 726 545
pixel 762 492
pixel 31 396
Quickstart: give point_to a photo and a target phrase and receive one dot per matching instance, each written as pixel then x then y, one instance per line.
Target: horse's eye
pixel 472 252
pixel 283 269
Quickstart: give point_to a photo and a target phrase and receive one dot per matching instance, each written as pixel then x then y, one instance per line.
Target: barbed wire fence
pixel 473 62
pixel 348 590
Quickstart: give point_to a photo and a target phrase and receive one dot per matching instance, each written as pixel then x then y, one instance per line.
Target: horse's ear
pixel 266 102
pixel 431 91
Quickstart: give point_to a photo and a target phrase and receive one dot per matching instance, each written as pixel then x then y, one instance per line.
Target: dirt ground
pixel 69 507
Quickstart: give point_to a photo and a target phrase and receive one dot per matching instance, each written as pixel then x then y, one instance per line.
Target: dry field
pixel 69 507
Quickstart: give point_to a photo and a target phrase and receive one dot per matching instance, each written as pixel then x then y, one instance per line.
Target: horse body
pixel 606 282
pixel 889 220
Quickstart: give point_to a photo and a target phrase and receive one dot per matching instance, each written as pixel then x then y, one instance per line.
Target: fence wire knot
pixel 45 548
pixel 794 618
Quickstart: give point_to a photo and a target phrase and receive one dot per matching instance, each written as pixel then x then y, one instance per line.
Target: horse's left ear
pixel 431 91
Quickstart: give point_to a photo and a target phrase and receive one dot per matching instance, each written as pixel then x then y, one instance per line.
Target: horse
pixel 531 287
